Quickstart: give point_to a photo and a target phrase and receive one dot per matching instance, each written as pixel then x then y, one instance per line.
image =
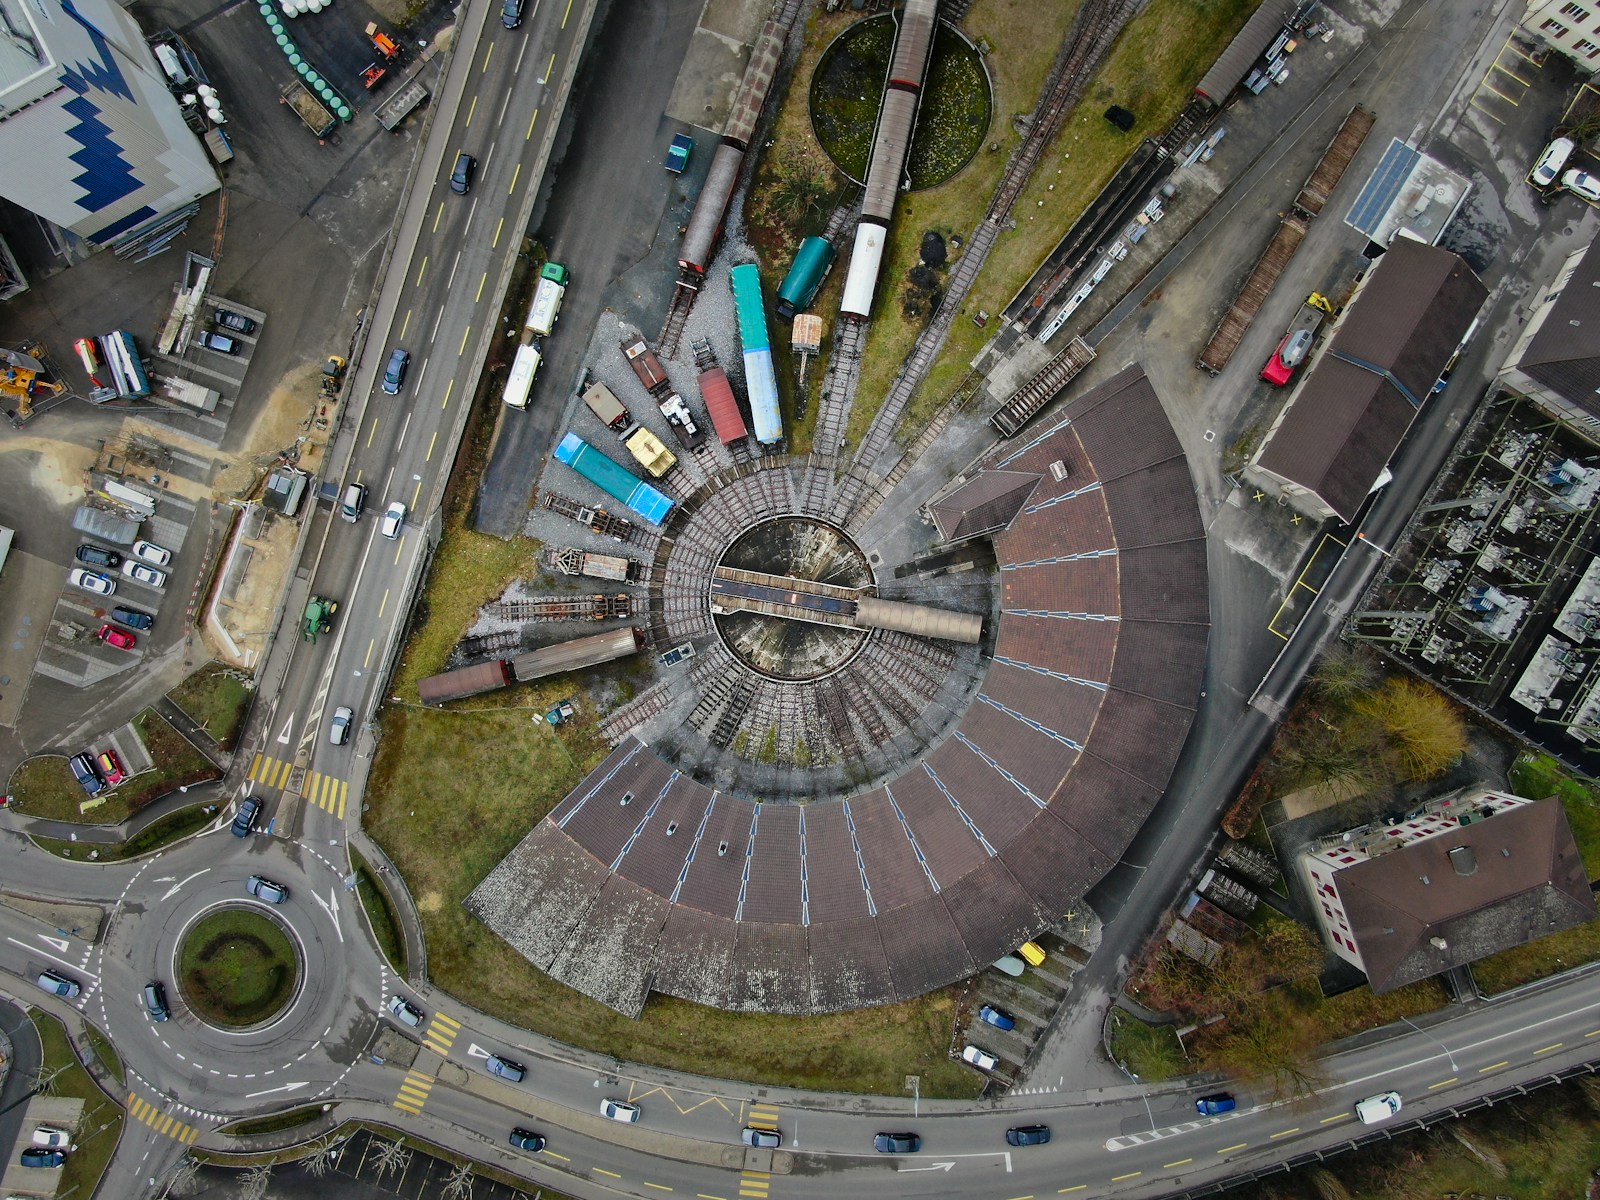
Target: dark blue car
pixel 990 1015
pixel 1213 1105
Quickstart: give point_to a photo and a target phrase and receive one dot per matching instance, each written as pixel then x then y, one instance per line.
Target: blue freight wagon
pixel 759 380
pixel 811 266
pixel 649 502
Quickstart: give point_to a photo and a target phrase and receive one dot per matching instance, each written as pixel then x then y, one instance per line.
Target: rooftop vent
pixel 1463 860
pixel 627 799
pixel 672 828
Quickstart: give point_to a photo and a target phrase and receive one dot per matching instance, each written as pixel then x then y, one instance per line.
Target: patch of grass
pixel 1151 1052
pixel 452 793
pixel 100 1124
pixel 1539 959
pixel 44 786
pixel 103 1051
pixel 380 914
pixel 236 967
pixel 173 827
pixel 289 1119
pixel 217 699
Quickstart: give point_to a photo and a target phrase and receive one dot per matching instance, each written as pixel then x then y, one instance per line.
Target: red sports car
pixel 120 638
pixel 110 767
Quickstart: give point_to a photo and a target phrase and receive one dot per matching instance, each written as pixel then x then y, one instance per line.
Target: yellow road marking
pixel 566 14
pixel 470 110
pixel 448 388
pixel 1493 1067
pixel 373 433
pixel 370 646
pixel 384 605
pixel 1181 1162
pixel 603 1171
pixel 660 1187
pixel 499 225
pixel 1335 1117
pixel 553 1154
pixel 481 282
pixel 1283 1133
pixel 415 496
pixel 531 120
pixel 1129 1175
pixel 465 333
pixel 406 324
pixel 488 56
pixel 707 1196
pixel 398 550
pixel 1592 1033
pixel 422 270
pixel 1547 1049
pixel 1077 1187
pixel 1442 1083
pixel 1231 1149
pixel 515 175
pixel 431 441
pixel 438 216
pixel 549 72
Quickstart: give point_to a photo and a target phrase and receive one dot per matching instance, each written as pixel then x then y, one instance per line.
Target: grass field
pixel 217 699
pixel 44 786
pixel 173 827
pixel 100 1124
pixel 103 1051
pixel 236 967
pixel 380 915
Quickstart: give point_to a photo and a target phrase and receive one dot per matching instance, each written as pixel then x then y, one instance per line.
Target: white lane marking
pixel 178 887
pixel 288 1087
pixel 70 966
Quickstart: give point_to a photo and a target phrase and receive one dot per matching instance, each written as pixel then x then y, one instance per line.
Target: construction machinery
pixel 22 383
pixel 318 618
pixel 333 375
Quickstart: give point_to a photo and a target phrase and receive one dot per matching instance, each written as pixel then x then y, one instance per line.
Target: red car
pixel 120 638
pixel 110 767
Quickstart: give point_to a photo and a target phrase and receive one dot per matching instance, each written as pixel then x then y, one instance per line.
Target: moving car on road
pixel 339 730
pixel 395 373
pixel 245 819
pixel 1028 1135
pixel 403 1012
pixel 619 1110
pixel 1378 1108
pixel 526 1139
pixel 461 177
pixel 263 888
pixel 897 1143
pixel 505 1068
pixel 58 985
pixel 393 517
pixel 155 1001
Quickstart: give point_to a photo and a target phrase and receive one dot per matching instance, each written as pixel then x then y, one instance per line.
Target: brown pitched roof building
pixel 1344 422
pixel 1467 877
pixel 984 505
pixel 1556 361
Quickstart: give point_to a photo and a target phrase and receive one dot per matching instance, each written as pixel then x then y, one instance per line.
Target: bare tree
pixel 255 1182
pixel 459 1185
pixel 324 1152
pixel 45 1080
pixel 182 1179
pixel 390 1156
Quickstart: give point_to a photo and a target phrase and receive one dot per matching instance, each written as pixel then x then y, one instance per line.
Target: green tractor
pixel 319 618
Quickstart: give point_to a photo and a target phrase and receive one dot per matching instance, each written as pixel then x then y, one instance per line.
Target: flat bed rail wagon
pixel 1027 400
pixel 1257 287
pixel 1325 177
pixel 596 518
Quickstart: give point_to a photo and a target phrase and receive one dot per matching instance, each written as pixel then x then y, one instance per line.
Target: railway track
pixel 683 298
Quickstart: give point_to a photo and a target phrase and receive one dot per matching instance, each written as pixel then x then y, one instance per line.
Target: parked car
pixel 152 553
pixel 237 322
pixel 1010 964
pixel 245 819
pixel 50 1136
pixel 133 618
pixel 92 581
pixel 339 730
pixel 981 1059
pixel 155 1001
pixel 990 1015
pixel 145 574
pixel 1551 161
pixel 58 985
pixel 897 1143
pixel 1378 1108
pixel 97 556
pixel 1582 184
pixel 505 1068
pixel 1028 1135
pixel 265 889
pixel 110 767
pixel 1215 1104
pixel 219 343
pixel 461 176
pixel 619 1110
pixel 395 373
pixel 761 1139
pixel 43 1158
pixel 393 518
pixel 403 1012
pixel 82 768
pixel 526 1139
pixel 120 638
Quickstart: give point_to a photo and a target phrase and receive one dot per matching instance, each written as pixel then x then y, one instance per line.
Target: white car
pixel 1551 161
pixel 144 573
pixel 1583 185
pixel 152 553
pixel 393 517
pixel 92 581
pixel 403 1012
pixel 1378 1108
pixel 981 1059
pixel 49 1135
pixel 618 1110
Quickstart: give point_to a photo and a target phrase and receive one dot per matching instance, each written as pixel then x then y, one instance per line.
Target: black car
pixel 83 771
pixel 395 373
pixel 526 1139
pixel 133 618
pixel 511 13
pixel 155 1001
pixel 461 177
pixel 97 556
pixel 1028 1135
pixel 897 1143
pixel 245 819
pixel 237 322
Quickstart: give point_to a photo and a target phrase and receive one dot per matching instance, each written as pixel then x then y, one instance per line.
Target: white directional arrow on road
pixel 476 1051
pixel 329 907
pixel 944 1166
pixel 59 943
pixel 288 1087
pixel 284 735
pixel 178 887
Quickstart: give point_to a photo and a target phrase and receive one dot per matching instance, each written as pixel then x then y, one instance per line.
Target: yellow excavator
pixel 22 382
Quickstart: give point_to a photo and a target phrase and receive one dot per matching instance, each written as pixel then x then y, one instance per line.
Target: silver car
pixel 263 888
pixel 339 730
pixel 144 573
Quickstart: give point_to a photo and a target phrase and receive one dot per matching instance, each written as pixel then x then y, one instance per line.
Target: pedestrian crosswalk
pixel 163 1123
pixel 327 792
pixel 754 1184
pixel 414 1092
pixel 441 1034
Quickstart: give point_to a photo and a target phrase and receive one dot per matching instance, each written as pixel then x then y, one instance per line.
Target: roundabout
pixel 237 967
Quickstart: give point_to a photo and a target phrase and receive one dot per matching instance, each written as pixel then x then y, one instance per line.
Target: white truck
pixel 547 298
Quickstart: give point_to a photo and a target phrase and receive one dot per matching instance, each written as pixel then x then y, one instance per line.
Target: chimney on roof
pixel 1438 943
pixel 1463 860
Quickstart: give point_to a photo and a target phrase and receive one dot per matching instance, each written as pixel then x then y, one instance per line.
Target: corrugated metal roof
pixel 1245 48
